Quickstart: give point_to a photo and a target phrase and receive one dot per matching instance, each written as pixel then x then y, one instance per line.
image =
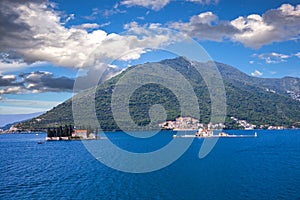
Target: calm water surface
pixel 267 167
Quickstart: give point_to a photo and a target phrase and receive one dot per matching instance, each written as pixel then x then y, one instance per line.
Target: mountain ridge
pixel 280 85
pixel 257 100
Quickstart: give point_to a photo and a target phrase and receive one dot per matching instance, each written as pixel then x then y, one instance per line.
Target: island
pixel 71 133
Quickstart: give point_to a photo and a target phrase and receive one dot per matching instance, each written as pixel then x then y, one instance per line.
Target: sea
pixel 266 167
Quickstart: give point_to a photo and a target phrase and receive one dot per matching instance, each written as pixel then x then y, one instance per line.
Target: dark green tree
pixel 48 132
pixel 71 130
pixel 66 131
pixel 61 132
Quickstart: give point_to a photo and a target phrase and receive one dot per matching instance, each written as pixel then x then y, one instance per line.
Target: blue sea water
pixel 266 167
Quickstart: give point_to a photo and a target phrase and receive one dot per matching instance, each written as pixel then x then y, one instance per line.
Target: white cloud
pixel 93 15
pixel 206 26
pixel 41 81
pixel 104 24
pixel 68 18
pixel 153 4
pixel 253 31
pixel 9 62
pixel 9 77
pixel 48 40
pixel 206 18
pixel 4 67
pixel 36 82
pixel 87 26
pixel 256 73
pixel 275 25
pixel 204 1
pixel 159 4
pixel 272 58
pixel 8 80
pixel 96 12
pixel 12 90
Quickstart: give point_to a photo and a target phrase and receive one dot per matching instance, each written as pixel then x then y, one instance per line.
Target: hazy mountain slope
pixel 278 85
pixel 12 118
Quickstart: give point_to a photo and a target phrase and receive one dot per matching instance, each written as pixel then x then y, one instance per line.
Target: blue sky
pixel 43 43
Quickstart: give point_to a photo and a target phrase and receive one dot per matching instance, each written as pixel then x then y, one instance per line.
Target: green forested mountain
pixel 257 100
pixel 284 86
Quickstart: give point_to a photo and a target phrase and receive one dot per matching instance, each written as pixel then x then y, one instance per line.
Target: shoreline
pixel 179 130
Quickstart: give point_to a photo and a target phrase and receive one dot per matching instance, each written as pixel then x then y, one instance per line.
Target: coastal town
pixel 190 123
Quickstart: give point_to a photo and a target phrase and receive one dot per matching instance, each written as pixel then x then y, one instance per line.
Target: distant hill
pixel 13 118
pixel 257 100
pixel 287 86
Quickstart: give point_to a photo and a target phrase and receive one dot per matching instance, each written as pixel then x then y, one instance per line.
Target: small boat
pixel 40 142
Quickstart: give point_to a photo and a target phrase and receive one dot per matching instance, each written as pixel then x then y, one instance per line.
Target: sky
pixel 46 45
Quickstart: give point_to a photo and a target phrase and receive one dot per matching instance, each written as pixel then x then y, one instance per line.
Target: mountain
pixel 287 86
pixel 13 118
pixel 258 100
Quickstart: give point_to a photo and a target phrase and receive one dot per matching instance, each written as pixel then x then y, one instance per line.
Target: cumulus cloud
pixel 8 80
pixel 35 33
pixel 43 81
pixel 275 25
pixel 40 81
pixel 256 73
pixel 153 4
pixel 10 62
pixel 39 35
pixel 206 26
pixel 12 90
pixel 272 58
pixel 34 82
pixel 253 31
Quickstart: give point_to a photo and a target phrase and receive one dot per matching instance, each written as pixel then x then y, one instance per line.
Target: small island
pixel 70 133
pixel 209 133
